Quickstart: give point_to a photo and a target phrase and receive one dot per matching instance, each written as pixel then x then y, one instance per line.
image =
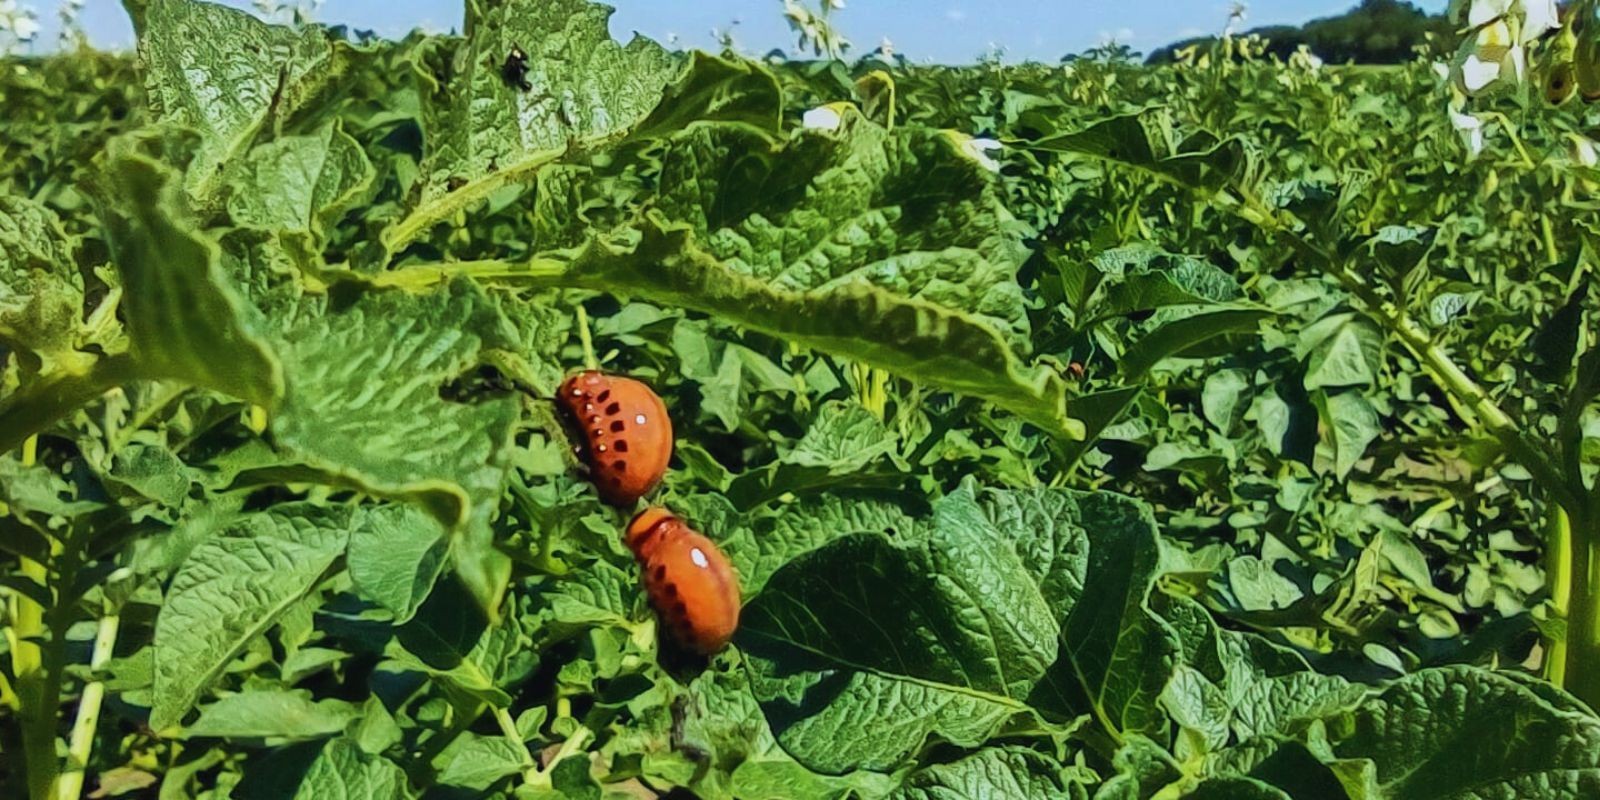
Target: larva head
pixel 647 527
pixel 690 583
pixel 623 433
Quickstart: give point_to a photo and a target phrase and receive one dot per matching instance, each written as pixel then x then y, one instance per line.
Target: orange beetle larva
pixel 690 582
pixel 625 433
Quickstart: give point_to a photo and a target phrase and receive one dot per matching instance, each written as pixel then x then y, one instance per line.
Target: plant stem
pixel 81 743
pixel 473 192
pixel 586 339
pixel 1558 559
pixel 36 706
pixel 533 272
pixel 1582 645
pixel 508 728
pixel 35 709
pixel 540 776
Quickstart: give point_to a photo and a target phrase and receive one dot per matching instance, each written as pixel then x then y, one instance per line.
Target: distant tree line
pixel 1375 32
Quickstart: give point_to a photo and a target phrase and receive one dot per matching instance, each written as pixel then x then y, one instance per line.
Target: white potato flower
pixel 18 20
pixel 1471 130
pixel 1583 150
pixel 824 118
pixel 977 149
pixel 1539 16
pixel 1477 74
pixel 1496 53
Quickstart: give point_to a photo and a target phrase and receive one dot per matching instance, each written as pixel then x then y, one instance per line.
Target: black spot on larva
pixel 617 426
pixel 605 395
pixel 680 610
pixel 612 409
pixel 670 590
pixel 660 572
pixel 620 466
pixel 622 446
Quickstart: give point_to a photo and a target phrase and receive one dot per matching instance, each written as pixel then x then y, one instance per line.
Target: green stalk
pixel 81 743
pixel 508 729
pixel 36 701
pixel 1581 673
pixel 533 272
pixel 539 777
pixel 1558 559
pixel 470 194
pixel 586 339
pixel 35 707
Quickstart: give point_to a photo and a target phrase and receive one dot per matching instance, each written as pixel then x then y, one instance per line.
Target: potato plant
pixel 1223 429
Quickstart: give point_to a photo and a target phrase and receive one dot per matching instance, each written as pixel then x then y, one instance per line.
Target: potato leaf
pixel 964 625
pixel 228 75
pixel 231 589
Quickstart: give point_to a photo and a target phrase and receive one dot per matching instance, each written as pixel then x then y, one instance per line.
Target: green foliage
pixel 1192 444
pixel 1374 32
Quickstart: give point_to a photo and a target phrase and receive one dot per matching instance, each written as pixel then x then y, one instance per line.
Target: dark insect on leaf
pixel 515 69
pixel 680 743
pixel 481 382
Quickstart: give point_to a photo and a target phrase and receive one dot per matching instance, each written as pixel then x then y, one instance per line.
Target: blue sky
pixel 949 31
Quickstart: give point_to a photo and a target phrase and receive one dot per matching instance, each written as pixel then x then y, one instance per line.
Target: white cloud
pixel 1118 36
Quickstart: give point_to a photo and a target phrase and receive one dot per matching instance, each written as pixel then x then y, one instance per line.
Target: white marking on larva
pixel 638 419
pixel 699 558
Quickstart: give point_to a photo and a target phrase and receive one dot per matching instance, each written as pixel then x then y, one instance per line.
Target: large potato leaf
pixel 908 212
pixel 277 714
pixel 1116 654
pixel 231 589
pixel 1146 140
pixel 578 85
pixel 890 249
pixel 343 771
pixel 961 622
pixel 761 544
pixel 995 772
pixel 396 553
pixel 228 75
pixel 528 138
pixel 1461 733
pixel 365 408
pixel 185 319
